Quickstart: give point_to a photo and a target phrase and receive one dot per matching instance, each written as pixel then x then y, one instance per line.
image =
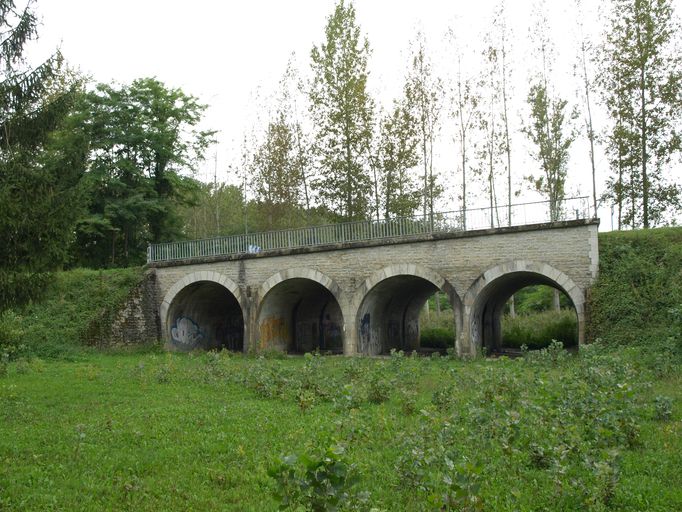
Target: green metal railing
pixel 576 208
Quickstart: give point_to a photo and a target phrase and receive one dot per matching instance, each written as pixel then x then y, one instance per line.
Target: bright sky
pixel 223 52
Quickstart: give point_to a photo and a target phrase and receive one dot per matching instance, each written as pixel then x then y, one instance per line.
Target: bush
pixel 639 286
pixel 538 330
pixel 317 483
pixel 437 337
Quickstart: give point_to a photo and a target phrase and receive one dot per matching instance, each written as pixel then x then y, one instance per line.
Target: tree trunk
pixel 556 300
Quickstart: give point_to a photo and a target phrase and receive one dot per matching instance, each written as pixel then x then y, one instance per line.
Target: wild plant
pixel 663 408
pixel 320 483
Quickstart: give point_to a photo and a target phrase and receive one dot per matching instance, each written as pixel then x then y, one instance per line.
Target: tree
pixel 550 133
pixel 502 48
pixel 465 104
pixel 143 142
pixel 587 85
pixel 39 190
pixel 489 122
pixel 342 113
pixel 276 174
pixel 200 219
pixel 550 129
pixel 641 84
pixel 423 95
pixel 396 156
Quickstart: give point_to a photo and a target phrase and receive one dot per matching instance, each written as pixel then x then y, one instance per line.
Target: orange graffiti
pixel 274 332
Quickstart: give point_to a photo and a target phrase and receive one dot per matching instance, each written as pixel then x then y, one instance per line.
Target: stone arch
pixel 207 290
pixel 387 305
pixel 485 299
pixel 299 310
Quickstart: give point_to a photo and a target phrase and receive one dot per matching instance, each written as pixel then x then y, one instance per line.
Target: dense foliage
pixel 142 143
pixel 638 296
pixel 53 327
pixel 39 194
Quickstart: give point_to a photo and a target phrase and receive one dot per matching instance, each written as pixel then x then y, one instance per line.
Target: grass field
pixel 154 431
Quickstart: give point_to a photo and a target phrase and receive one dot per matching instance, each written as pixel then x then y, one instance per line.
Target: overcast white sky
pixel 222 51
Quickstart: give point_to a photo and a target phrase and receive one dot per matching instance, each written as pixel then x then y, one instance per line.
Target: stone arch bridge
pixel 364 296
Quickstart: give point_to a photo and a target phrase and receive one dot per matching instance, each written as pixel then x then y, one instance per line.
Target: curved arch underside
pixel 388 317
pixel 486 320
pixel 300 315
pixel 205 315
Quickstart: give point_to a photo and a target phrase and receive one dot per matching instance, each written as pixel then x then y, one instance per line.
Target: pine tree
pixel 39 190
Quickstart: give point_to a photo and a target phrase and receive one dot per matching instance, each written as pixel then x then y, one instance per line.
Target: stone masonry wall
pixel 136 322
pixel 460 259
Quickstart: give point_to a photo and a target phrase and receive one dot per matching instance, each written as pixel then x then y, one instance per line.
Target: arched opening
pixel 205 315
pixel 436 327
pixel 536 315
pixel 388 317
pixel 300 315
pixel 505 316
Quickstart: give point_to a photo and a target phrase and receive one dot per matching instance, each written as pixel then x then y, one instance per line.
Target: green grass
pixel 200 431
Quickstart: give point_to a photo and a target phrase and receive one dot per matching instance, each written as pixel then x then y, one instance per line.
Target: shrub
pixel 539 329
pixel 437 337
pixel 663 408
pixel 318 483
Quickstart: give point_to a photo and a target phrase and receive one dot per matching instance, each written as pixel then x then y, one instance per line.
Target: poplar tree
pixel 465 101
pixel 584 51
pixel 342 114
pixel 489 124
pixel 276 174
pixel 641 84
pixel 550 128
pixel 396 156
pixel 423 95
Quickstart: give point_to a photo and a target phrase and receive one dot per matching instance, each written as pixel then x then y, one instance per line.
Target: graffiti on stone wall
pixel 274 333
pixel 186 333
pixel 369 337
pixel 412 334
pixel 230 333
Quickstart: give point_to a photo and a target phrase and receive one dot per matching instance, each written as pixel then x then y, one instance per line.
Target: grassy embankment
pixel 149 431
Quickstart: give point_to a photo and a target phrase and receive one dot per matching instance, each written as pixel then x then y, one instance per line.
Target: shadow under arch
pixel 203 310
pixel 388 304
pixel 486 298
pixel 299 311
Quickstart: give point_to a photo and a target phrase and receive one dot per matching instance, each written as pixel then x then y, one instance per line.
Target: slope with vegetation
pixel 54 326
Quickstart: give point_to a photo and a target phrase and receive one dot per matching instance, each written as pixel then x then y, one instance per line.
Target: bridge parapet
pixel 405 228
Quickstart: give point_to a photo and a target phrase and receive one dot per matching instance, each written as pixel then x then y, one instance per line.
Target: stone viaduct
pixel 365 297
